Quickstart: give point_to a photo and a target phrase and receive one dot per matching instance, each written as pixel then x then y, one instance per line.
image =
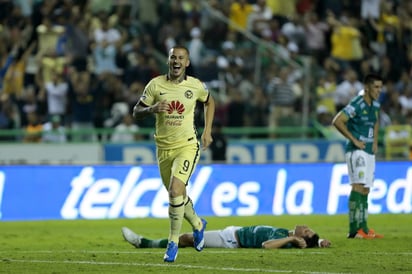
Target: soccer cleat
pixel 171 252
pixel 360 234
pixel 198 239
pixel 374 234
pixel 131 237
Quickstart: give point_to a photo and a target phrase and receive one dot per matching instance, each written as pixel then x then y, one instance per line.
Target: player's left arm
pixel 375 136
pixel 209 113
pixel 278 243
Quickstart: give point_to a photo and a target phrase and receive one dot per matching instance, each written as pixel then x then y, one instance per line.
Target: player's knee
pixel 358 188
pixel 177 188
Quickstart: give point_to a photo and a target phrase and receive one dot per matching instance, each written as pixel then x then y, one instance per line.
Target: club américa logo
pixel 176 106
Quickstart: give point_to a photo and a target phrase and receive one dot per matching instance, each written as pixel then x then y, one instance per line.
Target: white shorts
pixel 361 167
pixel 224 238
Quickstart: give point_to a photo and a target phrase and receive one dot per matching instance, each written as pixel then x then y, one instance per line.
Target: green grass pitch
pixel 97 246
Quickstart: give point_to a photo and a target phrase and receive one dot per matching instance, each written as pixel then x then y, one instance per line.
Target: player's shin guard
pixel 364 221
pixel 176 213
pixel 190 214
pixel 354 213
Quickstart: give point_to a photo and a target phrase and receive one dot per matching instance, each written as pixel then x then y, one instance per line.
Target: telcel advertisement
pixel 125 191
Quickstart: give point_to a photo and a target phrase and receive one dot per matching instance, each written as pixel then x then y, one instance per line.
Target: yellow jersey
pixel 175 128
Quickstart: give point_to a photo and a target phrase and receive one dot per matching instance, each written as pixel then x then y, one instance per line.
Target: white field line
pixel 161 251
pixel 236 269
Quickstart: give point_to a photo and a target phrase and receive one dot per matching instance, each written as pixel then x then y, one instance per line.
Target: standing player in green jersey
pixel 172 98
pixel 259 236
pixel 359 123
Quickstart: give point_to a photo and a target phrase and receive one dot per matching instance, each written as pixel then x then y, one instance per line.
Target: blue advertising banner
pixel 124 191
pixel 244 152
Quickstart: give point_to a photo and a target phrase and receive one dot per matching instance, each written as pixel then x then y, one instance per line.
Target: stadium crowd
pixel 81 65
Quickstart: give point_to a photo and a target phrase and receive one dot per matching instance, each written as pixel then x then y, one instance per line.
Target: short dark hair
pixel 181 47
pixel 372 77
pixel 312 241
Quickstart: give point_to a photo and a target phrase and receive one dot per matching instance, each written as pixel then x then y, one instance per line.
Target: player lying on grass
pixel 259 236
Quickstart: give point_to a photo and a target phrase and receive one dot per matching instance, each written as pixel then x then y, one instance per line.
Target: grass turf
pixel 96 246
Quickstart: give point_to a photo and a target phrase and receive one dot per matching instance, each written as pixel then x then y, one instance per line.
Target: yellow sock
pixel 176 213
pixel 190 214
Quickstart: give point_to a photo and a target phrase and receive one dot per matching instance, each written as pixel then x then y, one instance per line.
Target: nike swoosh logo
pixel 162 93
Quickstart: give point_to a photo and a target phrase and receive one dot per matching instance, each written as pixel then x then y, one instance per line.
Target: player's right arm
pixel 339 122
pixel 147 103
pixel 141 110
pixel 278 243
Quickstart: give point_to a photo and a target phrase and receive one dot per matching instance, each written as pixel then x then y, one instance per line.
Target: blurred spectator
pixel 28 104
pixel 13 82
pixel 148 15
pixel 387 70
pixel 9 116
pixel 77 39
pixel 117 113
pixel 283 8
pixel 104 47
pixel 370 9
pixel 110 94
pixel 196 48
pixel 82 106
pixel 405 100
pixel 6 58
pixel 137 64
pixel 56 92
pixel 257 111
pixel 390 103
pixel 26 7
pixel 170 34
pixel 214 29
pixel 33 130
pixel 294 31
pixel 228 55
pixel 345 41
pixel 325 92
pixel 239 13
pixel 53 131
pixel 347 89
pixel 258 20
pixel 324 118
pixel 219 144
pixel 282 98
pixel 246 86
pixel 316 35
pixel 48 57
pixel 100 5
pixel 126 131
pixel 236 109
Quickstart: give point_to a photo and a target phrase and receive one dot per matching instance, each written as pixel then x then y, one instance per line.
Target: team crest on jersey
pixel 188 94
pixel 361 174
pixel 176 106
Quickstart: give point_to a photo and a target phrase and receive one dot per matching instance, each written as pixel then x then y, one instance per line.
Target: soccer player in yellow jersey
pixel 172 98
